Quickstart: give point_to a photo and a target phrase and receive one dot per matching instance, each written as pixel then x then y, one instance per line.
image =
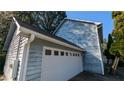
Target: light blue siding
pixel 34 62
pixel 86 36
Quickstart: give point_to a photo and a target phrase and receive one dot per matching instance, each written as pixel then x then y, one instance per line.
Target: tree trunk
pixel 114 66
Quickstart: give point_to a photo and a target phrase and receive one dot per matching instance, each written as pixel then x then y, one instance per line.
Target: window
pixel 66 53
pixel 70 54
pixel 47 52
pixel 78 54
pixel 62 53
pixel 56 53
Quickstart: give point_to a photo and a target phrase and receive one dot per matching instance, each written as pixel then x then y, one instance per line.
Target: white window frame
pixel 59 50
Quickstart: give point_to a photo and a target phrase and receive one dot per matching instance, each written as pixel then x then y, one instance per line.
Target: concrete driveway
pixel 86 76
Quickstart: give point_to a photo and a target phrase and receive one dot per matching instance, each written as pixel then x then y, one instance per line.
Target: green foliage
pixel 44 20
pixel 47 21
pixel 104 44
pixel 5 19
pixel 117 48
pixel 106 52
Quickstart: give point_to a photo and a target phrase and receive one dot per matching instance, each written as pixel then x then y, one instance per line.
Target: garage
pixel 44 57
pixel 60 64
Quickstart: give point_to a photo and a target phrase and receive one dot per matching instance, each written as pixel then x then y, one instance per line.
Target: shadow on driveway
pixel 87 76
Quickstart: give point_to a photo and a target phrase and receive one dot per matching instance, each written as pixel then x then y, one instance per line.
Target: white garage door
pixel 60 64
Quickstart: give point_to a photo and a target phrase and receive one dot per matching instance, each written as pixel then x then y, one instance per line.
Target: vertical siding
pixel 33 72
pixel 23 41
pixel 11 57
pixel 18 41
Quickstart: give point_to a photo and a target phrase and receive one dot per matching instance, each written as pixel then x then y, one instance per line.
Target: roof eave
pixel 11 31
pixel 77 20
pixel 41 36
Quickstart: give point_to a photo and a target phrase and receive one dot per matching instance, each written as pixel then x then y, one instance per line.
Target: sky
pixel 97 16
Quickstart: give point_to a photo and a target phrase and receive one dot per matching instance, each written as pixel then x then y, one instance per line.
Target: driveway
pixel 87 76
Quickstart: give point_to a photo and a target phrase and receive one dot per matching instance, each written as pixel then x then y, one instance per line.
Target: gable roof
pixel 98 24
pixel 10 34
pixel 32 28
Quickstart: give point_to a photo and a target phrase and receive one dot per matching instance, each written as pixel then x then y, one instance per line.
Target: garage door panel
pixel 60 67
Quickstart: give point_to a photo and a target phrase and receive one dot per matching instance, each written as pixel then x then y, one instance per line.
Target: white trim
pixel 57 49
pixel 26 53
pixel 85 21
pixel 43 51
pixel 82 21
pixel 27 46
pixel 16 22
pixel 59 26
pixel 100 50
pixel 23 63
pixel 18 26
pixel 17 56
pixel 41 36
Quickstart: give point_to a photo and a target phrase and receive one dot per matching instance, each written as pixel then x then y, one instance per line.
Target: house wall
pixel 11 57
pixel 15 52
pixel 33 71
pixel 23 41
pixel 34 64
pixel 86 36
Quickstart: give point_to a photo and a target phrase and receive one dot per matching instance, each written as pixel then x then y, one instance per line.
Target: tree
pixel 106 51
pixel 49 20
pixel 5 19
pixel 44 20
pixel 117 47
pixel 104 44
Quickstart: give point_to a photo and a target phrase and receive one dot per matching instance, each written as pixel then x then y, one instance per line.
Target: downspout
pixel 27 46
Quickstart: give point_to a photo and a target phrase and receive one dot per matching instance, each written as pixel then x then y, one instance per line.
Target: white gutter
pixel 28 31
pixel 26 54
pixel 32 37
